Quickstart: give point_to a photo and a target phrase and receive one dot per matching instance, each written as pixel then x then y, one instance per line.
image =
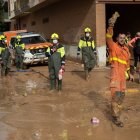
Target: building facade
pixel 68 18
pixel 4 21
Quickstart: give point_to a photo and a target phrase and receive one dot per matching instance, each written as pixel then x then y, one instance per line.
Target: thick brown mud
pixel 28 111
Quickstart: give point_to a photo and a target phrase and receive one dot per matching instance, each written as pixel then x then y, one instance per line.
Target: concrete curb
pixel 128 91
pixel 133 90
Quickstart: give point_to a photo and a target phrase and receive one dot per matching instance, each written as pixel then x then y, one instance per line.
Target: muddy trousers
pixel 89 60
pixel 136 59
pixel 117 86
pixel 116 104
pixel 4 69
pixel 55 84
pixel 19 62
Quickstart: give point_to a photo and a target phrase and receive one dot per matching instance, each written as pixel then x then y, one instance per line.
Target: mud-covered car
pixel 35 48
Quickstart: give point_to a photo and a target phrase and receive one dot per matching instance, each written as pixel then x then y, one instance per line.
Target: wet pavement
pixel 28 111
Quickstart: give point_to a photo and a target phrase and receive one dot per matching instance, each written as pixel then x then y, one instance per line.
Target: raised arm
pixel 131 42
pixel 109 38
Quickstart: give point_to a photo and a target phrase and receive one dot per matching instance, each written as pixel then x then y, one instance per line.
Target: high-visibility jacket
pixel 19 47
pixel 4 52
pixel 2 47
pixel 22 45
pixel 59 48
pixel 86 43
pixel 119 55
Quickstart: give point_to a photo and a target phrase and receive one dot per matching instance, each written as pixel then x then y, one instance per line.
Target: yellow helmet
pixel 2 37
pixel 18 37
pixel 54 36
pixel 87 30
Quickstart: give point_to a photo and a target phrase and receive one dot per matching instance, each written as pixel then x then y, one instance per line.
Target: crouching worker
pixel 56 63
pixel 5 55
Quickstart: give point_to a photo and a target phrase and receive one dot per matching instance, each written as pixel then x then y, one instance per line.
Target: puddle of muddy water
pixel 5 131
pixel 30 85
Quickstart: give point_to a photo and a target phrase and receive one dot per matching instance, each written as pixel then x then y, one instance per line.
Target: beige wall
pixel 11 8
pixel 67 18
pixel 100 24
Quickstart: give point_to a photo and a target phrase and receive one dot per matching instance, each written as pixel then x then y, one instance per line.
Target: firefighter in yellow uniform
pixel 5 56
pixel 19 52
pixel 56 62
pixel 87 46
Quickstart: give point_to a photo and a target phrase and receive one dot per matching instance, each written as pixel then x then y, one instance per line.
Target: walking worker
pixel 56 62
pixel 5 56
pixel 19 52
pixel 119 59
pixel 87 47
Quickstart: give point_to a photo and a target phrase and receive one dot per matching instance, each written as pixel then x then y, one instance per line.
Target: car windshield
pixel 33 40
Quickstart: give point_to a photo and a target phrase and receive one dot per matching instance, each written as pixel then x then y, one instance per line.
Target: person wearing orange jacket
pixel 119 59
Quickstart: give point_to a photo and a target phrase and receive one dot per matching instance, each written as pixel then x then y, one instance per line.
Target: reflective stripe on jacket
pixel 118 54
pixel 59 48
pixel 1 49
pixel 22 45
pixel 86 43
pixel 118 60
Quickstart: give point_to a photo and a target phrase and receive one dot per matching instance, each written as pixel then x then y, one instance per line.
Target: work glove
pixel 78 53
pixel 47 54
pixel 113 19
pixel 95 52
pixel 63 67
pixel 131 77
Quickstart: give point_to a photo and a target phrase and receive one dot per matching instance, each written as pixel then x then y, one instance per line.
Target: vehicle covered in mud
pixel 35 48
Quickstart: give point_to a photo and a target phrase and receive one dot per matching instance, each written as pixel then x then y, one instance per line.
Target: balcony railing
pixel 21 6
pixel 33 3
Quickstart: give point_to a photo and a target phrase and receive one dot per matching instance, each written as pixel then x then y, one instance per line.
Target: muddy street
pixel 29 112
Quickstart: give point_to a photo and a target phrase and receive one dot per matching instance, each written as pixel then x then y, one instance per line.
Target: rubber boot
pixel 3 71
pixel 59 85
pixel 52 84
pixel 89 71
pixel 86 74
pixel 7 71
pixel 17 66
pixel 117 122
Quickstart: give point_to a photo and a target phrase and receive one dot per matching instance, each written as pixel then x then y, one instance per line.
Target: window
pixel 33 40
pixel 5 7
pixel 33 23
pixel 13 40
pixel 45 20
pixel 15 26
